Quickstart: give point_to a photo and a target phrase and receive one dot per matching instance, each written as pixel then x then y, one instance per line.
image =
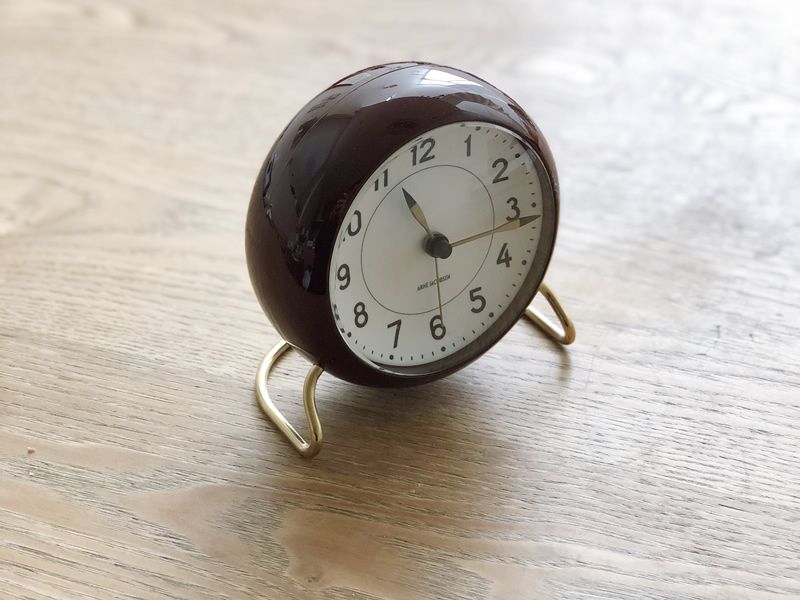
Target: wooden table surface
pixel 658 457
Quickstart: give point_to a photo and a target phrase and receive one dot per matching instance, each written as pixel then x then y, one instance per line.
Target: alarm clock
pixel 400 225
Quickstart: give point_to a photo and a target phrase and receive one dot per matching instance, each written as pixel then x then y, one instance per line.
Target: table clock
pixel 400 225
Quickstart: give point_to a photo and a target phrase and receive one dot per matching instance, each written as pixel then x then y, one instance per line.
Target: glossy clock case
pixel 314 171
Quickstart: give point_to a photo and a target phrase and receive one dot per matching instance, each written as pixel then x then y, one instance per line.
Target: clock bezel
pixel 316 168
pixel 510 315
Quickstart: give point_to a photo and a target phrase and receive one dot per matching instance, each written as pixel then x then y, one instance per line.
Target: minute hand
pixel 509 226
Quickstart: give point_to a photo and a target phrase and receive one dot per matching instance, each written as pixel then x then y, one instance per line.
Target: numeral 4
pixel 504 258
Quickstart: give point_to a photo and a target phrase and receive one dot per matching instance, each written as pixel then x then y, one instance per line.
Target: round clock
pixel 399 226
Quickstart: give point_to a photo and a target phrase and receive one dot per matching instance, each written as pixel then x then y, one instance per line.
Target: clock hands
pixel 416 212
pixel 508 226
pixel 436 244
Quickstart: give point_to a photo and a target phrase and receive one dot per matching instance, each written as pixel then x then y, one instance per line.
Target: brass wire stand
pixel 308 449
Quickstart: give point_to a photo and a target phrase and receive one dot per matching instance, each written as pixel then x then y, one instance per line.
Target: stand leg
pixel 309 449
pixel 567 333
pixel 306 449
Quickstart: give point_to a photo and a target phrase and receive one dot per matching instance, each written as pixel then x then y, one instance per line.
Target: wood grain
pixel 658 458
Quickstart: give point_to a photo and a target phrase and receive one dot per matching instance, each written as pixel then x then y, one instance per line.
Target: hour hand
pixel 508 226
pixel 416 211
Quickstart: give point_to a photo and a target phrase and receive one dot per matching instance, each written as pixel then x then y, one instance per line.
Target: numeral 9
pixel 343 274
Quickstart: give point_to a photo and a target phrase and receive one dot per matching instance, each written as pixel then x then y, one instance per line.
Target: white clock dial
pixel 477 189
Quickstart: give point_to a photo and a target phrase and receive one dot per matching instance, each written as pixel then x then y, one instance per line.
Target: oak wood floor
pixel 659 457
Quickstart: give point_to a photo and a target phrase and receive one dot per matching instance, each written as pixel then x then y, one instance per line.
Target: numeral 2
pixel 500 176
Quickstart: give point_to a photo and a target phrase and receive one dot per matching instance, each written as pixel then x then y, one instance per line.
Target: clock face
pixel 439 247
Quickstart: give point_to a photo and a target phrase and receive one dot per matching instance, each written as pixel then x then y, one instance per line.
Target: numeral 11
pixel 385 180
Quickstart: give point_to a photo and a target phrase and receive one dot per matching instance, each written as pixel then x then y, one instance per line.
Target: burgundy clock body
pixel 314 171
